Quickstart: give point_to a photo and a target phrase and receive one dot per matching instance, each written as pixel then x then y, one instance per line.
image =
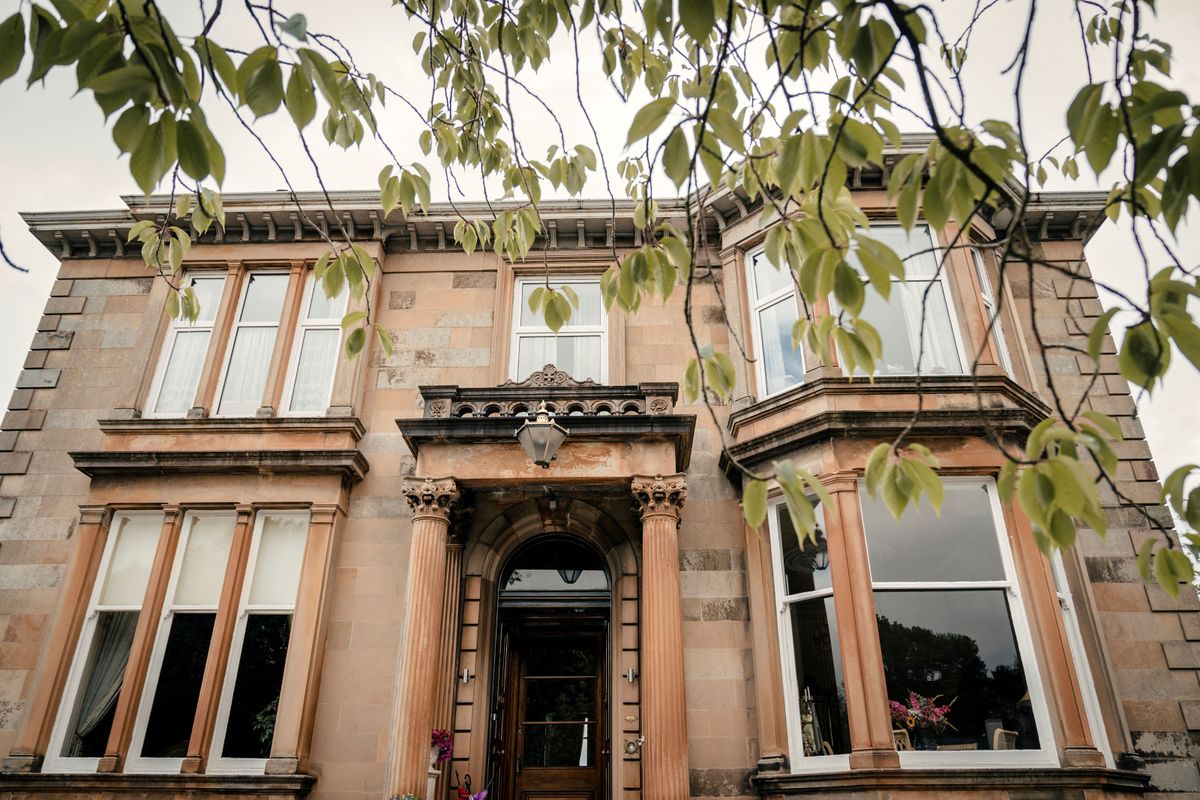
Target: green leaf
pixel 355 341
pixel 321 72
pixel 193 154
pixel 676 158
pixel 385 339
pixel 648 118
pixel 129 127
pixel 1105 423
pixel 353 318
pixel 148 163
pixel 726 128
pixel 1097 333
pixel 1143 558
pixel 697 17
pixel 1145 355
pixel 262 81
pixel 295 26
pixel 214 58
pixel 300 98
pixel 754 503
pixel 12 45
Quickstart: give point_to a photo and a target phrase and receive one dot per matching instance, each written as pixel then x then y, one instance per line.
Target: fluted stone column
pixel 664 720
pixel 420 671
pixel 443 715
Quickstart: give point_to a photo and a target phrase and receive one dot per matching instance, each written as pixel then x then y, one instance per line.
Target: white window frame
pixel 1047 754
pixel 216 762
pixel 54 762
pixel 759 304
pixel 235 326
pixel 798 761
pixel 134 761
pixel 520 331
pixel 304 323
pixel 176 327
pixel 993 317
pixel 940 277
pixel 1087 685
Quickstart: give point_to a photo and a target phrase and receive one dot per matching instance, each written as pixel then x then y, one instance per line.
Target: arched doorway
pixel 549 718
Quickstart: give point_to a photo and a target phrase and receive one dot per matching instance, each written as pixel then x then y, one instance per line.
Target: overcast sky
pixel 56 153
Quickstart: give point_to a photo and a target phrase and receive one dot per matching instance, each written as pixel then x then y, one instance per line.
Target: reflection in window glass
pixel 960 544
pixel 959 647
pixel 951 653
pixel 559 745
pixel 805 567
pixel 774 311
pixel 253 343
pixel 554 565
pixel 255 702
pixel 821 687
pixel 317 344
pixel 169 728
pixel 921 295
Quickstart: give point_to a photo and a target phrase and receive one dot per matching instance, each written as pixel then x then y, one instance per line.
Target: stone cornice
pixel 562 394
pixel 350 464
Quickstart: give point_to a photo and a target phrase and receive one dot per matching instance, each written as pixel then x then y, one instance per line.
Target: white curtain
pixel 314 371
pixel 182 372
pixel 939 353
pixel 246 375
pixel 106 673
pixel 578 356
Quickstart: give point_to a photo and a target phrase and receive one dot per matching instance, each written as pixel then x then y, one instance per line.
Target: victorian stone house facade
pixel 236 563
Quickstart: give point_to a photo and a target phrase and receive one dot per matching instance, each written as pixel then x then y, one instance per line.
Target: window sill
pixel 994 781
pixel 114 785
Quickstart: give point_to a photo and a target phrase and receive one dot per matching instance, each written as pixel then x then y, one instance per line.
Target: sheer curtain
pixel 110 649
pixel 246 375
pixel 939 353
pixel 182 372
pixel 314 370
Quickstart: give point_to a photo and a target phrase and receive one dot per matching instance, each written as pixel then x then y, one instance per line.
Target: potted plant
pixel 923 717
pixel 441 747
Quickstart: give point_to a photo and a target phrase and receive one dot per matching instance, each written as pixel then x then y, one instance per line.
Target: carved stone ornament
pixel 550 376
pixel 430 497
pixel 658 495
pixel 438 408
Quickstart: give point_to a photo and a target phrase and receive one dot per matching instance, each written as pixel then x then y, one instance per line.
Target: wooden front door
pixel 555 741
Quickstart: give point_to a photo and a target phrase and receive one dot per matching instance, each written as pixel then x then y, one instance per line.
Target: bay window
pixel 773 313
pixel 579 348
pixel 910 347
pixel 957 653
pixel 814 685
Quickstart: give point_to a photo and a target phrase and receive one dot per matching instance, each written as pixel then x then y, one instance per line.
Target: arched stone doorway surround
pixel 488 550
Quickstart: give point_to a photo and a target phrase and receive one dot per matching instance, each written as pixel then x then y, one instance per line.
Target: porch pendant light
pixel 569 576
pixel 541 437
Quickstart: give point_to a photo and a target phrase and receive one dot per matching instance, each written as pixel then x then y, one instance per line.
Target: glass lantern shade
pixel 541 438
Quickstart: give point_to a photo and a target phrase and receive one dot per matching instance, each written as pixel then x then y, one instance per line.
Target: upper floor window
pixel 251 343
pixel 957 651
pixel 909 347
pixel 184 349
pixel 814 686
pixel 266 334
pixel 314 352
pixel 992 309
pixel 773 313
pixel 580 348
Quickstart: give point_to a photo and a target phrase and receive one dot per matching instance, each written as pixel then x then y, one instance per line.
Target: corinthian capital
pixel 430 497
pixel 659 495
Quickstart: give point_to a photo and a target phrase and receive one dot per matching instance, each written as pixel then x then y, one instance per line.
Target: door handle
pixel 518 765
